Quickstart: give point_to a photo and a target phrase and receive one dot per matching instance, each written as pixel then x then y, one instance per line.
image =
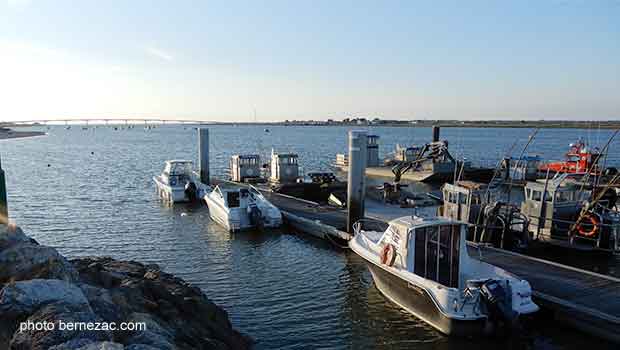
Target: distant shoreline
pixel 7 134
pixel 363 122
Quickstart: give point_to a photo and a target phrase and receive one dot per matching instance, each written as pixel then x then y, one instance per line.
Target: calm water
pixel 89 192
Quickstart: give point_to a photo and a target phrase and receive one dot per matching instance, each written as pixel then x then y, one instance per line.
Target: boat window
pixel 462 198
pixel 432 252
pixel 419 267
pixel 563 196
pixel 232 198
pixel 450 198
pixel 445 247
pixel 536 195
pixel 475 199
pixel 437 254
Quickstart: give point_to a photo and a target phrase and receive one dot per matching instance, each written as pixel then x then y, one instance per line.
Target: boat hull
pixel 418 302
pixel 235 219
pixel 171 194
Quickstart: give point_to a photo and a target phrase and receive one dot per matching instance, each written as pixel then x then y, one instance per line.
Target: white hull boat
pixel 177 182
pixel 237 208
pixel 422 265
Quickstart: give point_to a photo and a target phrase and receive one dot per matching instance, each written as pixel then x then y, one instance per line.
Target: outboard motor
pixel 191 191
pixel 256 217
pixel 498 303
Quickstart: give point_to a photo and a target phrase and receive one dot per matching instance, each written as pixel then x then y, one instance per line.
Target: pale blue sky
pixel 310 60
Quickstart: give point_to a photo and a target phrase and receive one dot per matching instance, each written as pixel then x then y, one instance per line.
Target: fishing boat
pixel 487 209
pixel 423 265
pixel 569 212
pixel 579 159
pixel 240 208
pixel 177 182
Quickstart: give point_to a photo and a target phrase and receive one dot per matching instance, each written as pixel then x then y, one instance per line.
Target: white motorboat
pixel 239 208
pixel 177 182
pixel 422 264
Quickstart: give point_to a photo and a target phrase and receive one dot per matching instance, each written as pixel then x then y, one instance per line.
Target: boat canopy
pixel 432 247
pixel 178 167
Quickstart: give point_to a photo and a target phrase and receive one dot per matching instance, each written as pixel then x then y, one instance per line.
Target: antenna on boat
pixel 529 141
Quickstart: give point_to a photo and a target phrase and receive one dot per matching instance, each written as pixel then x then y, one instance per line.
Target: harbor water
pixel 90 192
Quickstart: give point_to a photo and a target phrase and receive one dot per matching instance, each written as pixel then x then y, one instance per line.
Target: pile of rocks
pixel 40 286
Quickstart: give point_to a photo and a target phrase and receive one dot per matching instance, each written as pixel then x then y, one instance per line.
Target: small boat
pixel 579 159
pixel 240 208
pixel 177 182
pixel 422 265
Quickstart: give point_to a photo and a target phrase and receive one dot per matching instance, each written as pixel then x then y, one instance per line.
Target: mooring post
pixel 356 188
pixel 203 154
pixel 436 130
pixel 4 208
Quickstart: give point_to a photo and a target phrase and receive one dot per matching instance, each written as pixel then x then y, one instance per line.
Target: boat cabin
pixel 463 200
pixel 177 171
pixel 492 219
pixel 244 167
pixel 284 167
pixel 428 247
pixel 553 206
pixel 431 247
pixel 407 154
pixel 520 169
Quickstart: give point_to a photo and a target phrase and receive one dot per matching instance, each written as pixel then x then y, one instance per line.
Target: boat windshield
pixel 180 168
pixel 437 253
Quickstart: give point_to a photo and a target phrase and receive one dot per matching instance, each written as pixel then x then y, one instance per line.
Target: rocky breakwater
pixel 79 302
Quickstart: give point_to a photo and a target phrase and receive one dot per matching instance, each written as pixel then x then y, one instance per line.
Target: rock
pixel 40 285
pixel 11 234
pixel 22 258
pixel 25 297
pixel 153 333
pixel 102 304
pixel 103 346
pixel 58 314
pixel 139 347
pixel 87 344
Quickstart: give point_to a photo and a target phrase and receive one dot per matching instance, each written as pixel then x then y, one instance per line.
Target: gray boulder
pixel 59 314
pixel 101 302
pixel 153 334
pixel 87 344
pixel 22 258
pixel 25 297
pixel 11 234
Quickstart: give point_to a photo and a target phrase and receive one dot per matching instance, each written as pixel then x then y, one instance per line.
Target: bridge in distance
pixel 105 121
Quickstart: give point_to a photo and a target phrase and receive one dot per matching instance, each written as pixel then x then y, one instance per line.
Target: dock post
pixel 436 130
pixel 203 154
pixel 4 209
pixel 356 188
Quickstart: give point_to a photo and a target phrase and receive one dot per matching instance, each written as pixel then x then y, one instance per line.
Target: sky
pixel 231 60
